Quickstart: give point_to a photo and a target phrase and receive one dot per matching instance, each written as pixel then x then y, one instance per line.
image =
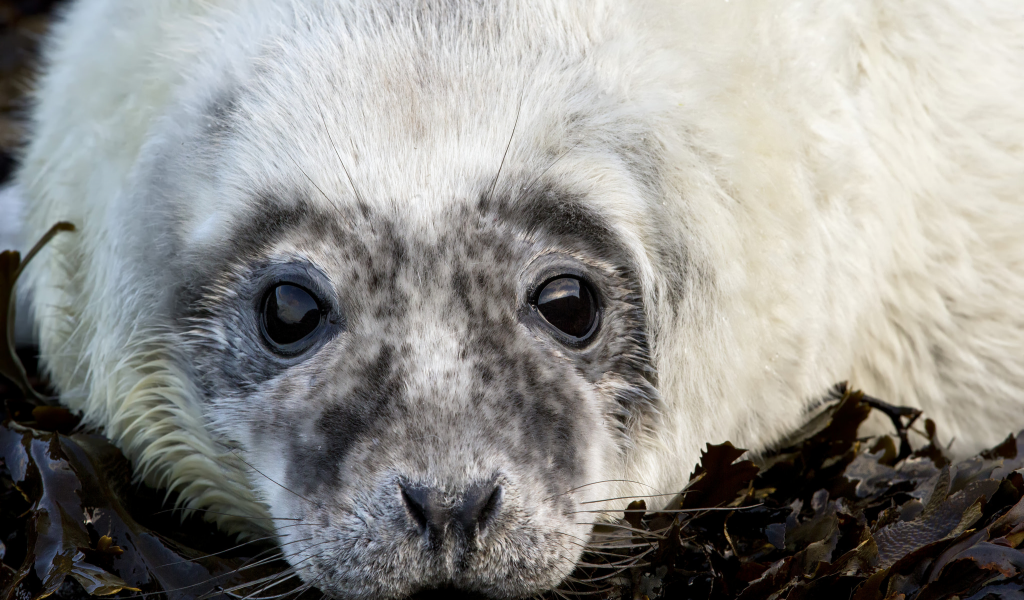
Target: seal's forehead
pixel 540 147
pixel 411 130
pixel 415 107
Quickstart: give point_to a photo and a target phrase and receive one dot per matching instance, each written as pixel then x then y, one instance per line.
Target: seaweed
pixel 826 513
pixel 72 522
pixel 832 515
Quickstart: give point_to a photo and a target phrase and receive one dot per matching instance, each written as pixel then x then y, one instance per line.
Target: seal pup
pixel 420 279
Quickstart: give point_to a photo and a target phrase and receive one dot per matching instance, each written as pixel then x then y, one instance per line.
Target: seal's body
pixel 434 269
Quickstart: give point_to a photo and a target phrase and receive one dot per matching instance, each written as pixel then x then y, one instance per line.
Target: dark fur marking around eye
pixel 479 268
pixel 560 216
pixel 268 223
pixel 562 220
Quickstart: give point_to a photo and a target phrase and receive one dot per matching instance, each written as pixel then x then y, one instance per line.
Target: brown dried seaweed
pixel 832 516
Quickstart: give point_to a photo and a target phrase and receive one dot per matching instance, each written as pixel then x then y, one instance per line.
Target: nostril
pixel 432 512
pixel 417 503
pixel 479 507
pixel 493 504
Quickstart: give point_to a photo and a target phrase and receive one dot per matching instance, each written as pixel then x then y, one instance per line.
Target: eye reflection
pixel 293 304
pixel 569 306
pixel 559 289
pixel 290 314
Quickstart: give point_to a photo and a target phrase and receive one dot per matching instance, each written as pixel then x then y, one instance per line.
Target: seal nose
pixel 470 514
pixel 479 505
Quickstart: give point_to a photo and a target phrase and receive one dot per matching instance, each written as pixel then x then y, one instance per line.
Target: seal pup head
pixel 423 335
pixel 357 160
pixel 433 406
pixel 316 265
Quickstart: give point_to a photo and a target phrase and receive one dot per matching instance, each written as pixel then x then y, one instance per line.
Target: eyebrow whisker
pixel 515 124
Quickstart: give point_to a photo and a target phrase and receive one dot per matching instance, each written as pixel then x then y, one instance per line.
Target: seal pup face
pixel 425 338
pixel 432 404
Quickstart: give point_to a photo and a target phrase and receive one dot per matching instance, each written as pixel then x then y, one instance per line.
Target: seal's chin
pixel 509 569
pixel 448 593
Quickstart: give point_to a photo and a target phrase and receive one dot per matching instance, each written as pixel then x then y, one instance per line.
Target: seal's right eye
pixel 568 305
pixel 290 316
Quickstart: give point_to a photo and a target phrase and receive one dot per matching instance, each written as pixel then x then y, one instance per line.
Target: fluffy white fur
pixel 11 206
pixel 846 176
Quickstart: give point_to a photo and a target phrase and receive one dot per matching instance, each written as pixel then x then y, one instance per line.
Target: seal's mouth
pixel 496 533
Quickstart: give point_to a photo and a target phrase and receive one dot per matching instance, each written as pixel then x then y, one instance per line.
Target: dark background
pixel 23 24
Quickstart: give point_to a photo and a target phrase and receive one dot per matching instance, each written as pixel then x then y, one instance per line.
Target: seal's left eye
pixel 290 316
pixel 569 306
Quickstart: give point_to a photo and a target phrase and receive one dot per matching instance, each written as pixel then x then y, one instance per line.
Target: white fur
pixel 845 175
pixel 11 209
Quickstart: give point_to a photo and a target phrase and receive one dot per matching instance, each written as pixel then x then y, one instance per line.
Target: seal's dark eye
pixel 568 304
pixel 290 316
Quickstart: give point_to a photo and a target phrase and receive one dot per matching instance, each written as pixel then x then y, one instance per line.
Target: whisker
pixel 313 183
pixel 344 168
pixel 637 532
pixel 515 124
pixel 283 577
pixel 629 561
pixel 234 590
pixel 280 556
pixel 561 593
pixel 591 550
pixel 669 511
pixel 596 589
pixel 628 498
pixel 296 494
pixel 291 572
pixel 309 585
pixel 294 568
pixel 589 547
pixel 262 539
pixel 245 566
pixel 530 186
pixel 580 487
pixel 608 576
pixel 204 582
pixel 213 512
pixel 621 545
